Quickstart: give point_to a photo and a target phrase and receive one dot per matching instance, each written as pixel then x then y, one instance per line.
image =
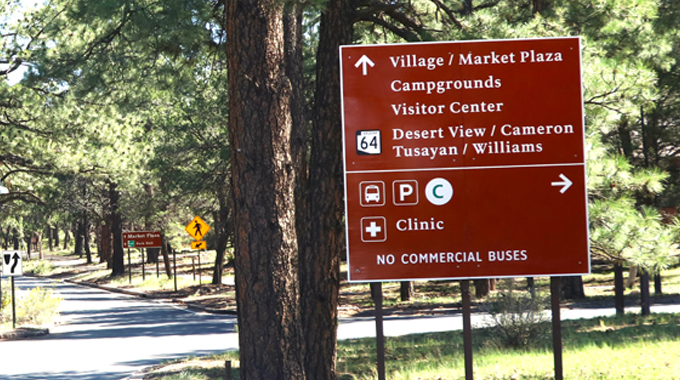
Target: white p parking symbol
pixel 405 190
pixel 439 191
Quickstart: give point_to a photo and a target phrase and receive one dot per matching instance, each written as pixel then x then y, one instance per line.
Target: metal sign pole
pixel 129 268
pixel 467 329
pixel 143 271
pixel 174 264
pixel 556 326
pixel 376 292
pixel 14 306
pixel 199 270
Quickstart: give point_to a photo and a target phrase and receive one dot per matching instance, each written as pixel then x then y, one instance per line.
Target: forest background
pixel 140 114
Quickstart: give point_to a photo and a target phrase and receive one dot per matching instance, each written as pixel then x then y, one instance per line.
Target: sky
pixel 16 75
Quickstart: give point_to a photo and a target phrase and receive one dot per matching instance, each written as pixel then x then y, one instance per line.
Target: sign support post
pixel 376 292
pixel 143 271
pixel 174 264
pixel 129 268
pixel 556 326
pixel 14 306
pixel 467 328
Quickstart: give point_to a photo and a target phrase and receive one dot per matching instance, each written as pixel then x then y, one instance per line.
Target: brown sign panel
pixel 142 239
pixel 464 160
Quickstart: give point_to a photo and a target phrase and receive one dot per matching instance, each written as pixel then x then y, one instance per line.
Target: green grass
pixel 627 348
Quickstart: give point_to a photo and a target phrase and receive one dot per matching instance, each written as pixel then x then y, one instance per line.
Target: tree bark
pixel 118 257
pixel 619 299
pixel 572 287
pixel 223 224
pixel 538 6
pixel 531 286
pixel 645 299
pixel 105 247
pixel 29 245
pixel 40 244
pixel 86 238
pixel 55 235
pixel 79 237
pixel 482 288
pixel 50 240
pixel 632 275
pixel 263 177
pixel 152 255
pixel 67 238
pixel 165 252
pixel 405 290
pixel 657 284
pixel 324 238
pixel 15 239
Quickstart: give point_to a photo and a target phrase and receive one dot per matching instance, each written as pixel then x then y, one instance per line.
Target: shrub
pixel 39 267
pixel 38 307
pixel 518 319
pixel 6 296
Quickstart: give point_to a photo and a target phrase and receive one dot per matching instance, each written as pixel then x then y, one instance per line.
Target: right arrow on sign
pixel 364 61
pixel 565 183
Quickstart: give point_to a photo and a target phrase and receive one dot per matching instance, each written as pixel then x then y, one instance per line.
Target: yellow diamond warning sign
pixel 197 228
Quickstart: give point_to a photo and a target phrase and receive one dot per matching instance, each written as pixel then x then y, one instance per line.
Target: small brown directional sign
pixel 198 244
pixel 197 228
pixel 142 239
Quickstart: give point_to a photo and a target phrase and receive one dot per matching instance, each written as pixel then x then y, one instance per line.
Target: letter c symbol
pixel 439 191
pixel 434 191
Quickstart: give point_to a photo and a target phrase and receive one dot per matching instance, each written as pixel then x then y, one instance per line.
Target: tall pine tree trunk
pixel 67 238
pixel 572 287
pixel 50 240
pixel 105 245
pixel 645 299
pixel 482 287
pixel 86 238
pixel 263 177
pixel 79 237
pixel 619 299
pixel 223 224
pixel 118 257
pixel 165 252
pixel 324 237
pixel 405 290
pixel 55 236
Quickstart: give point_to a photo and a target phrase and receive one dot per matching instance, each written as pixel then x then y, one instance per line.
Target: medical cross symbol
pixel 373 229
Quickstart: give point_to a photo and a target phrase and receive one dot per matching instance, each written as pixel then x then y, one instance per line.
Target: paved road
pixel 104 336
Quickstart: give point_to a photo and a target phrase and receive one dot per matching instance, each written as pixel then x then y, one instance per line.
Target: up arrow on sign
pixel 364 61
